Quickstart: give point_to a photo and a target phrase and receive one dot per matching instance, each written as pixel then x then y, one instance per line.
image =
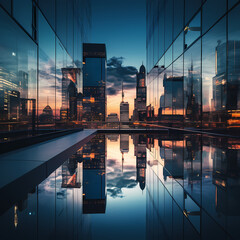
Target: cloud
pixel 117 73
pixel 117 180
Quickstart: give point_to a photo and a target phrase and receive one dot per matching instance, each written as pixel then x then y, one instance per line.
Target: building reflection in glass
pixel 207 45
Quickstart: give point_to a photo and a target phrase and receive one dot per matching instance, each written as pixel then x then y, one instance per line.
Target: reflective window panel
pixel 214 83
pixel 18 77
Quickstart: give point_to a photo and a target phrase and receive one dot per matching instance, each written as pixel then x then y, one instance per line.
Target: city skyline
pixel 120 41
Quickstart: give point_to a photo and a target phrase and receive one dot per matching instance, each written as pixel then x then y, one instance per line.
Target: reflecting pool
pixel 135 187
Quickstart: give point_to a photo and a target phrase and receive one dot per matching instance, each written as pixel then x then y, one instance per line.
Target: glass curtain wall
pixel 40 63
pixel 197 65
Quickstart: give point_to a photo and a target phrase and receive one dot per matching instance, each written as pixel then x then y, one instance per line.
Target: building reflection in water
pixel 190 183
pixel 124 145
pixel 94 176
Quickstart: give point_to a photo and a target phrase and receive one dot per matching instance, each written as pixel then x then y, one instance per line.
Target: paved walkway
pixel 25 168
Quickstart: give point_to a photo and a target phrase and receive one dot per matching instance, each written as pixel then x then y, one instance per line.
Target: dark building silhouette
pixel 70 84
pixel 94 82
pixel 140 111
pixel 47 115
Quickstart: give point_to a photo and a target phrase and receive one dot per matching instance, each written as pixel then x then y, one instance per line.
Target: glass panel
pixel 232 3
pixel 192 86
pixel 161 28
pixel 61 63
pixel 61 21
pixel 168 23
pixel 168 57
pixel 167 86
pixel 233 85
pixel 178 47
pixel 177 92
pixel 48 9
pixel 193 30
pixel 46 90
pixel 178 17
pixel 191 8
pixel 212 10
pixel 18 77
pixel 214 88
pixel 23 17
pixel 7 4
pixel 70 27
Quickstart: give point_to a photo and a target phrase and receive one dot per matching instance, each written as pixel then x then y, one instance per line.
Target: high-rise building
pixel 94 82
pixel 193 64
pixel 41 61
pixel 140 111
pixel 124 109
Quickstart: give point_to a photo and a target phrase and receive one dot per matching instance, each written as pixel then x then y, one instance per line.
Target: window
pixel 212 10
pixel 233 82
pixel 193 30
pixel 23 17
pixel 18 76
pixel 214 87
pixel 192 86
pixel 46 91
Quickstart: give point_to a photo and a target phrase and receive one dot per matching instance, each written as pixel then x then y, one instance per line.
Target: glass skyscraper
pixel 94 82
pixel 41 62
pixel 193 63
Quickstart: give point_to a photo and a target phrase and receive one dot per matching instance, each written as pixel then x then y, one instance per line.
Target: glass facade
pixel 41 63
pixel 94 82
pixel 196 71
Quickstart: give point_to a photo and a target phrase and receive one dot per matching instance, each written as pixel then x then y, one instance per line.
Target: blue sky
pixel 121 25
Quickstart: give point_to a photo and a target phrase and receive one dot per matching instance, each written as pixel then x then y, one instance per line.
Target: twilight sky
pixel 120 24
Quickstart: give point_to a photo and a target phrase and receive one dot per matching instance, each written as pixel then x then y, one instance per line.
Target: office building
pixel 94 82
pixel 193 63
pixel 124 109
pixel 139 113
pixel 40 62
pixel 112 117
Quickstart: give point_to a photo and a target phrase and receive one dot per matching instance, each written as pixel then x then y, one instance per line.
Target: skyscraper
pixel 124 109
pixel 94 82
pixel 140 112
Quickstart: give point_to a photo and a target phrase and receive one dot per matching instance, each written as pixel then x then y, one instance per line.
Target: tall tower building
pixel 140 113
pixel 94 82
pixel 124 109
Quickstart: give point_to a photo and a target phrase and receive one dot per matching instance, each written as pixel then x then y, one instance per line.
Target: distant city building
pixel 94 82
pixel 70 83
pixel 47 115
pixel 124 109
pixel 140 111
pixel 112 117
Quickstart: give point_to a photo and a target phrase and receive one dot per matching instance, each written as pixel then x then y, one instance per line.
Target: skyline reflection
pixel 166 186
